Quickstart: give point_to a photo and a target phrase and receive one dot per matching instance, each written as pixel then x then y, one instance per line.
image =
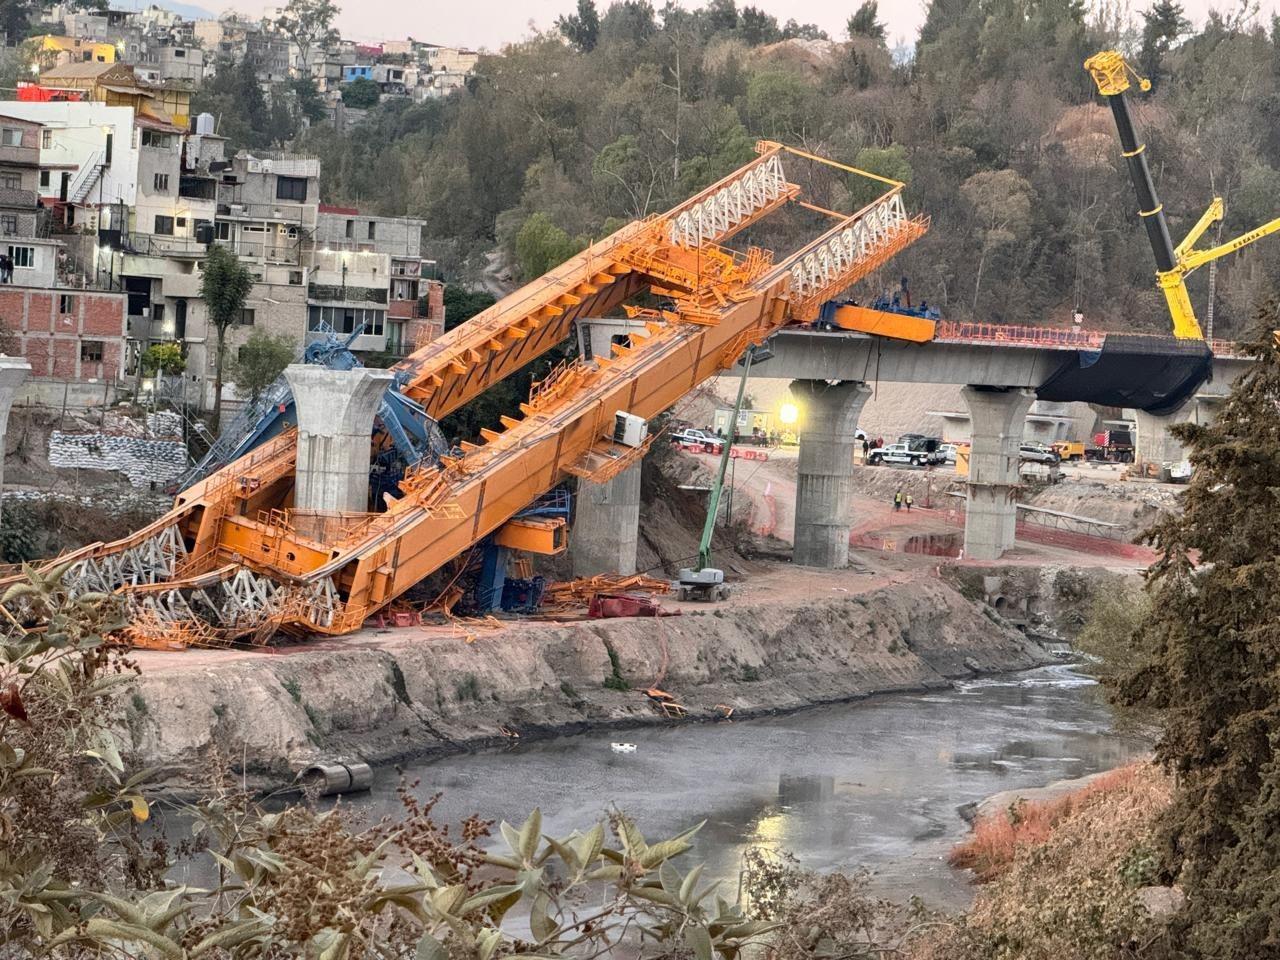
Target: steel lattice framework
pixel 733 206
pixel 865 236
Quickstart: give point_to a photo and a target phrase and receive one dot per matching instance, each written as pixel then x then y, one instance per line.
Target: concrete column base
pixel 824 488
pixel 1155 445
pixel 335 432
pixel 606 526
pixel 998 417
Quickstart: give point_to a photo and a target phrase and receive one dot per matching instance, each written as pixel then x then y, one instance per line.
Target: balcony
pixel 23 199
pixel 403 310
pixel 198 188
pixel 20 156
pixel 161 245
pixel 332 293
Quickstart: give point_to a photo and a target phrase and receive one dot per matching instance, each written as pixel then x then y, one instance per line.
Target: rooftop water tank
pixel 205 123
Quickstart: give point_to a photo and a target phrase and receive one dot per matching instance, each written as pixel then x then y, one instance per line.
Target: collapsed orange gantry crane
pixel 232 560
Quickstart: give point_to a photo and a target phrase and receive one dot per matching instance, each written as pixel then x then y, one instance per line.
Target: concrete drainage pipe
pixel 330 777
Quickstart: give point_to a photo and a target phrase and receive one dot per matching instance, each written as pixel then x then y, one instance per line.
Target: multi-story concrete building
pixel 19 176
pixel 412 303
pixel 235 38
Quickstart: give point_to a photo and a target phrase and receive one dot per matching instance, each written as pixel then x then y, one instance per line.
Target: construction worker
pixel 897 500
pixel 866 449
pixel 909 502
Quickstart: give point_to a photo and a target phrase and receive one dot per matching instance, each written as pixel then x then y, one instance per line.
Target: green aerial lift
pixel 707 582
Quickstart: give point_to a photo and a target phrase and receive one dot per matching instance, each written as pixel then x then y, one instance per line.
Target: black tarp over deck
pixel 1155 374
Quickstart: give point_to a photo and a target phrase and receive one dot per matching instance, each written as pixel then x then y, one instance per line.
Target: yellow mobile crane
pixel 1111 73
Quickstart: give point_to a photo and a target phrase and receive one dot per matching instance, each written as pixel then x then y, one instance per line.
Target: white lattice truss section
pixel 241 603
pixel 153 560
pixel 717 215
pixel 866 236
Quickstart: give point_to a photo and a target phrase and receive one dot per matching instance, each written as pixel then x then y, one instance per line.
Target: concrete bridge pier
pixel 606 525
pixel 824 489
pixel 1155 445
pixel 997 415
pixel 335 432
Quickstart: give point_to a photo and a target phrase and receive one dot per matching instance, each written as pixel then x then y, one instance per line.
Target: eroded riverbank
pixel 796 638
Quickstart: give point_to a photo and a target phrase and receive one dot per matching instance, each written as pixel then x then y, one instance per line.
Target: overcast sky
pixel 492 23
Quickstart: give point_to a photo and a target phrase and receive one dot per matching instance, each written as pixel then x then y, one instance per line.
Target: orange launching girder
pixel 233 554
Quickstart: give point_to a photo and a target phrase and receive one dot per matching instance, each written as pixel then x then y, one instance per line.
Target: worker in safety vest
pixel 897 500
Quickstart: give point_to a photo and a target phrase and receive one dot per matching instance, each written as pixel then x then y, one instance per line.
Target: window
pixel 46 139
pixel 221 230
pixel 11 136
pixel 44 178
pixel 9 224
pixel 66 303
pixel 291 188
pixel 87 56
pixel 11 181
pixel 161 182
pixel 23 256
pixel 351 229
pixel 295 277
pixel 179 52
pixel 181 222
pixel 373 229
pixel 90 351
pixel 155 138
pixel 346 319
pixel 164 226
pixel 247 317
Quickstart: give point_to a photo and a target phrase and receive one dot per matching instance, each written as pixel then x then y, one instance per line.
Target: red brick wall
pixel 51 341
pixel 435 301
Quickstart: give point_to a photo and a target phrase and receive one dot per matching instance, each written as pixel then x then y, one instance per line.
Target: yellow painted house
pixel 55 51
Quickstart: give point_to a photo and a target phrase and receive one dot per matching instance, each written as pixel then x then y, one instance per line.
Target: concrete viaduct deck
pixel 1002 370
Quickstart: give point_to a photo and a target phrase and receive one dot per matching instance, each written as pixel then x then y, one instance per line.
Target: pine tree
pixel 1214 669
pixel 865 22
pixel 1161 27
pixel 582 29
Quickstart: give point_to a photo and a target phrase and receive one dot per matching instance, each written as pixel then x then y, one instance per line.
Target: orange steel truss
pixel 233 562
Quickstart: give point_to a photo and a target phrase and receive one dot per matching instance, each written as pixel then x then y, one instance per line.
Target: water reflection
pixel 876 784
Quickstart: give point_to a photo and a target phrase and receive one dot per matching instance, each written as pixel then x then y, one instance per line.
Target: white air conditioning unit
pixel 628 429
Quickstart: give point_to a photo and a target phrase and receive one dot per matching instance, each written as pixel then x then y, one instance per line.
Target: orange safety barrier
pixel 1059 338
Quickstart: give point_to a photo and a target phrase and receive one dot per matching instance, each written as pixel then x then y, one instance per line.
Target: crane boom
pixel 1111 74
pixel 233 561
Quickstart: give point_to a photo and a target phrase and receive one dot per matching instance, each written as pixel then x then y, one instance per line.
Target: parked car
pixel 700 439
pixel 948 451
pixel 1037 453
pixel 897 453
pixel 1069 450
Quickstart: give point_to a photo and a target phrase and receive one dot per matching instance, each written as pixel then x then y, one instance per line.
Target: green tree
pixel 259 363
pixel 163 358
pixel 1000 203
pixel 541 246
pixel 309 24
pixel 310 103
pixel 794 29
pixel 1162 25
pixel 361 93
pixel 756 27
pixel 582 29
pixel 1214 669
pixel 235 97
pixel 865 22
pixel 461 304
pixel 721 15
pixel 225 286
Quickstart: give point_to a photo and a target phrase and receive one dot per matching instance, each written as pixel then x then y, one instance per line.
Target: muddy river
pixel 877 784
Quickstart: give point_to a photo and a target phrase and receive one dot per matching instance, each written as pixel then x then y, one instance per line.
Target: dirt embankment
pixel 404 694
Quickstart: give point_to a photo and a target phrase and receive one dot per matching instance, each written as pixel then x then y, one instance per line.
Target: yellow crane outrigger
pixel 1111 73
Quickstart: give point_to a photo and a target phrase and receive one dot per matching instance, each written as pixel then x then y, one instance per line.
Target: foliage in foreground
pixel 1213 668
pixel 1070 891
pixel 76 876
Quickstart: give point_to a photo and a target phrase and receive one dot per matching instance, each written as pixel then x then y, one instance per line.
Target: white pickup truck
pixel 897 453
